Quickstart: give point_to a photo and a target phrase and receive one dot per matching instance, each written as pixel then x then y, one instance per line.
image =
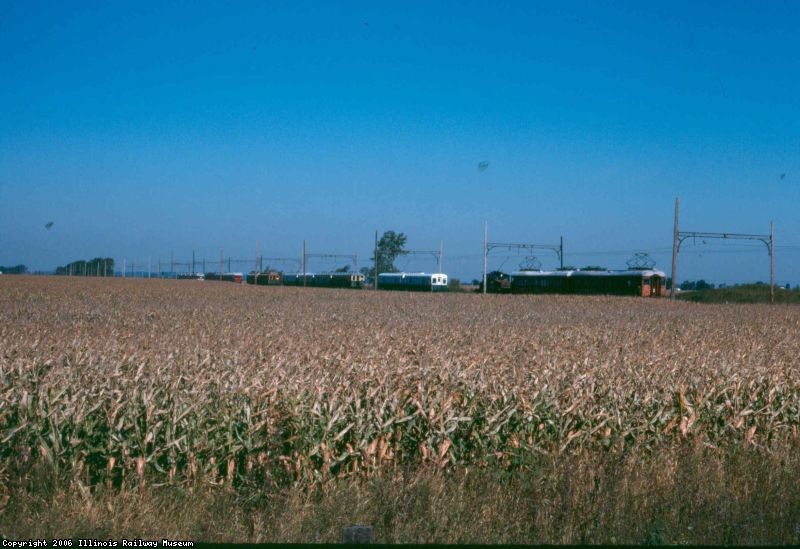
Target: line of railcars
pixel 325 280
pixel 413 282
pixel 225 277
pixel 644 283
pixel 424 282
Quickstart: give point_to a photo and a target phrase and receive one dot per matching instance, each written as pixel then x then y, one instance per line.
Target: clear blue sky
pixel 141 129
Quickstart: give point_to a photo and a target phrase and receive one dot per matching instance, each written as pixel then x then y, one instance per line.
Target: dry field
pixel 118 385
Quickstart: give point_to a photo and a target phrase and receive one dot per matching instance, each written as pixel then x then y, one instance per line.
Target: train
pixel 631 282
pixel 643 283
pixel 418 282
pixel 325 280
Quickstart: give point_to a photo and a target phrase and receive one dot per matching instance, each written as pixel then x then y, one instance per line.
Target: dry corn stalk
pixel 166 381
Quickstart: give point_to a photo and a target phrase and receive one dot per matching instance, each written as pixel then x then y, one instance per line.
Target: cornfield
pixel 133 382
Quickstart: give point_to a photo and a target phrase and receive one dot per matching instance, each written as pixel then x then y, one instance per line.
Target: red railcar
pixel 644 283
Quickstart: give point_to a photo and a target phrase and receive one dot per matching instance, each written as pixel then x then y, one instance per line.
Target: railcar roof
pixel 578 272
pixel 412 274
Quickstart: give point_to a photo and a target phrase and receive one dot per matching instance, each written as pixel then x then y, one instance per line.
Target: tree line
pixel 99 266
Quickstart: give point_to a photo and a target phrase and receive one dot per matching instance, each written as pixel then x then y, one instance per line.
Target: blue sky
pixel 144 129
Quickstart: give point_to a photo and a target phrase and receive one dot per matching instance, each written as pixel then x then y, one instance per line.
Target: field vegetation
pixel 150 408
pixel 749 293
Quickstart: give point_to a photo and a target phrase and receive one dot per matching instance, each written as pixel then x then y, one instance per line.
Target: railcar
pixel 326 280
pixel 644 283
pixel 265 278
pixel 293 279
pixel 190 276
pixel 225 277
pixel 416 282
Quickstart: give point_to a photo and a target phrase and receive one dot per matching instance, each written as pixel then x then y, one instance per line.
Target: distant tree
pixel 16 269
pixel 390 246
pixel 345 269
pixel 696 285
pixel 98 266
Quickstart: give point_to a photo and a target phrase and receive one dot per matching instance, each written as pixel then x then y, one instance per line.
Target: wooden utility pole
pixel 304 263
pixel 771 262
pixel 675 252
pixel 441 252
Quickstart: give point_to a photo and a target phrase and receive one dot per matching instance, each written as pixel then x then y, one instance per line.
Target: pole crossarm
pixel 552 247
pixel 435 253
pixel 281 259
pixel 685 235
pixel 351 257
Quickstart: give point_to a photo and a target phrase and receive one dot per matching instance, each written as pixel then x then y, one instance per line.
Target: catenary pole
pixel 675 252
pixel 772 262
pixel 375 257
pixel 485 251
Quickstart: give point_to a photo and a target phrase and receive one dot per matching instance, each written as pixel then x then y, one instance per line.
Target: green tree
pixel 98 266
pixel 17 269
pixel 390 246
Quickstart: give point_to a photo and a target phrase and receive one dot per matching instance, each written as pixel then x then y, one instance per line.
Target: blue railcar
pixel 413 282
